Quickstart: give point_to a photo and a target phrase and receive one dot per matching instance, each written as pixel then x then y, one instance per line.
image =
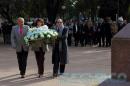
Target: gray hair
pixel 21 18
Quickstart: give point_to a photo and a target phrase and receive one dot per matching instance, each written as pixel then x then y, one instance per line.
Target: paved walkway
pixel 88 66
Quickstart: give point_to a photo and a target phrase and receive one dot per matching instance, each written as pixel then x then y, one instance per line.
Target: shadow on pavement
pixel 15 80
pixel 2 78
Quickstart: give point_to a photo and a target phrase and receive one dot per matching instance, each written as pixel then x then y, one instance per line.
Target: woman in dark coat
pixel 60 49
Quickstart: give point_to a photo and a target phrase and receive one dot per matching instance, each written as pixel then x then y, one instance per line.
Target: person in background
pixel 114 28
pixel 60 49
pixel 101 33
pixel 76 33
pixel 108 34
pixel 121 23
pixel 70 32
pixel 17 40
pixel 90 32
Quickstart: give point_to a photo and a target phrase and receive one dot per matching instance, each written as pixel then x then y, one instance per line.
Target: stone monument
pixel 120 53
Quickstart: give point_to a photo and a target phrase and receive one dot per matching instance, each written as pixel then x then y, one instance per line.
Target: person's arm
pixel 13 42
pixel 65 34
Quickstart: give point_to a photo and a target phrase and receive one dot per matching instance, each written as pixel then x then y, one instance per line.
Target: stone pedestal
pixel 120 61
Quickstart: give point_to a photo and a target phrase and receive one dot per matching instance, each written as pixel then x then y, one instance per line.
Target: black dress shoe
pixel 55 75
pixel 61 74
pixel 22 76
pixel 40 75
pixel 99 45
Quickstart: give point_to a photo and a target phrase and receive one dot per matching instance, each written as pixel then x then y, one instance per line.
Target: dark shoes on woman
pixel 55 75
pixel 22 76
pixel 40 75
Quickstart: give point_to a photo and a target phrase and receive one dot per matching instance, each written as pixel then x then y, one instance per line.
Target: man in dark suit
pixel 101 33
pixel 17 40
pixel 60 49
pixel 76 32
pixel 107 30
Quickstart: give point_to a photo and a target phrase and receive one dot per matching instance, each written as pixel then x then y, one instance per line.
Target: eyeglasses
pixel 59 22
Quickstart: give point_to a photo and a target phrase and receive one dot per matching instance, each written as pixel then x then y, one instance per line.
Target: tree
pixel 124 4
pixel 129 13
pixel 92 5
pixel 113 7
pixel 11 9
pixel 37 8
pixel 52 8
pixel 5 11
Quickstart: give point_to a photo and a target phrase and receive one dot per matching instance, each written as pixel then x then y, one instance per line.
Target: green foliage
pixel 112 7
pixel 129 13
pixel 11 9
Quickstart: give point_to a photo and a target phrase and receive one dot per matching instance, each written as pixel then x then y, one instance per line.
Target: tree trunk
pixel 53 8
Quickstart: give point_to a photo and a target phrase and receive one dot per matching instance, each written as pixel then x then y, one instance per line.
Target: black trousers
pixel 101 40
pixel 58 66
pixel 40 60
pixel 108 40
pixel 76 38
pixel 22 61
pixel 69 39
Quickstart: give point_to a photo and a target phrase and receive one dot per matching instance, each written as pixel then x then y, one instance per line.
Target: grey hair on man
pixel 21 18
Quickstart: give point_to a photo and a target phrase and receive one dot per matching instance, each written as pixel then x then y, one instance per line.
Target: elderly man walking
pixel 17 40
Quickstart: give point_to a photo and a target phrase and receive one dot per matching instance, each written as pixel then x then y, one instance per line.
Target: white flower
pixel 56 34
pixel 48 36
pixel 45 27
pixel 36 36
pixel 31 29
pixel 40 33
pixel 45 32
pixel 51 32
pixel 42 36
pixel 25 39
pixel 32 38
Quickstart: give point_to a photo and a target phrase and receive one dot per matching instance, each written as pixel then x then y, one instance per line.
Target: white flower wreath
pixel 41 33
